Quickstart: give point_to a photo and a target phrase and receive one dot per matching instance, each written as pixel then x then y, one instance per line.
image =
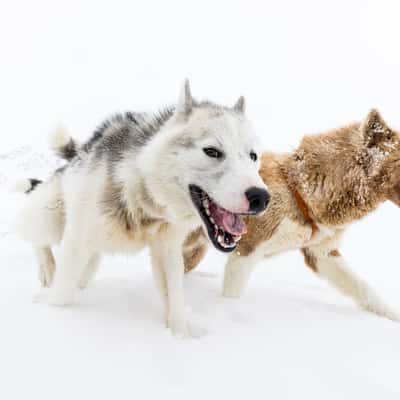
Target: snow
pixel 303 67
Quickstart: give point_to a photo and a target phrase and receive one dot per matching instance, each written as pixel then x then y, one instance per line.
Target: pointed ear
pixel 240 105
pixel 185 101
pixel 375 129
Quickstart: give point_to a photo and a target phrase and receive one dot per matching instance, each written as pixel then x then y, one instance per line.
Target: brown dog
pixel 330 181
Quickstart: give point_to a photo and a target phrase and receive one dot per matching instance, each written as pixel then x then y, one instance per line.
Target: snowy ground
pixel 304 66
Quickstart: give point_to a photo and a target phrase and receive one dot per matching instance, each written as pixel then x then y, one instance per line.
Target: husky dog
pixel 147 180
pixel 330 181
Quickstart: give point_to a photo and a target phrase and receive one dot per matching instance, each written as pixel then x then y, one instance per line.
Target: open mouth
pixel 224 228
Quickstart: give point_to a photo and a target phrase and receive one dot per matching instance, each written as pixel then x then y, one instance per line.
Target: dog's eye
pixel 213 152
pixel 253 156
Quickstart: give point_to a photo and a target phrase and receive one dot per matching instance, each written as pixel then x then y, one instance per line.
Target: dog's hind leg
pixel 89 272
pixel 41 222
pixel 74 257
pixel 47 265
pixel 326 261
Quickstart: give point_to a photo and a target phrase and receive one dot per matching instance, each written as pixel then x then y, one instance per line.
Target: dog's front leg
pixel 157 264
pixel 327 262
pixel 237 273
pixel 89 272
pixel 167 255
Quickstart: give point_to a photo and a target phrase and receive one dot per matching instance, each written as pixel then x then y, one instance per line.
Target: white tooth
pixel 207 211
pixel 219 238
pixel 211 218
pixel 237 238
pixel 205 203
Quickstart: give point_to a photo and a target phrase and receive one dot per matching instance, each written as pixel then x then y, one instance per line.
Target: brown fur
pixel 310 260
pixel 341 175
pixel 194 248
pixel 331 180
pixel 334 253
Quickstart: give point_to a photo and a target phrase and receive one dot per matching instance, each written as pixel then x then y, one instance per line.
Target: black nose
pixel 258 199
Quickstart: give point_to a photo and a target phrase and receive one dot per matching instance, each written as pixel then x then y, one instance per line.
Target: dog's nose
pixel 258 199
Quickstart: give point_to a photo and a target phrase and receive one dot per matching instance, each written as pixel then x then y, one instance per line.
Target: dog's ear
pixel 240 105
pixel 185 101
pixel 375 129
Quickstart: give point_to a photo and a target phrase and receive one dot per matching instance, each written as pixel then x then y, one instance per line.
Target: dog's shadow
pixel 112 300
pixel 121 301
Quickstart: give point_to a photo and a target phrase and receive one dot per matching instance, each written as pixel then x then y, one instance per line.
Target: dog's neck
pixel 336 188
pixel 301 204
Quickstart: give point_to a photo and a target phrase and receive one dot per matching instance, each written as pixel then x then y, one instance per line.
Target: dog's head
pixel 214 157
pixel 383 148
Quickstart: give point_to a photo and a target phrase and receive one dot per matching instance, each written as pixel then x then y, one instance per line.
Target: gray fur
pixel 129 132
pixel 33 183
pixel 133 130
pixel 240 105
pixel 186 101
pixel 68 151
pixel 126 132
pixel 126 189
pixel 114 204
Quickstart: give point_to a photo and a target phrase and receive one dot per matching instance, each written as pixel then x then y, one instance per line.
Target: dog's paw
pixel 388 313
pixel 83 283
pixel 61 297
pixel 181 328
pixel 232 292
pixel 46 274
pixel 382 310
pixel 178 326
pixel 394 316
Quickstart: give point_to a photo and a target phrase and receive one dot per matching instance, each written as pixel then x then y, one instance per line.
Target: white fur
pixel 337 273
pixel 59 138
pixel 21 186
pixel 291 235
pixel 41 220
pixel 287 236
pixel 70 214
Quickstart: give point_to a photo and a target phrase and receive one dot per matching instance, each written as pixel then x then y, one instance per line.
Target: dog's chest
pixel 324 232
pixel 129 234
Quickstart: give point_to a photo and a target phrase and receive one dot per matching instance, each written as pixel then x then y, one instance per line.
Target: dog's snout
pixel 258 199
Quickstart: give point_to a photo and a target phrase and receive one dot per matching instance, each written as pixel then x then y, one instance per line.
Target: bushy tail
pixel 63 144
pixel 26 185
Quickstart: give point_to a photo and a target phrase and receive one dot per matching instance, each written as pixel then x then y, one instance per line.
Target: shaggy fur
pixel 130 186
pixel 340 177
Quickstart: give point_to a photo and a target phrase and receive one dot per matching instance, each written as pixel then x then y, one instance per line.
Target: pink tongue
pixel 229 222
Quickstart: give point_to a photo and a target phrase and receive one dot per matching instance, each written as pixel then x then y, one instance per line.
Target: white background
pixel 304 67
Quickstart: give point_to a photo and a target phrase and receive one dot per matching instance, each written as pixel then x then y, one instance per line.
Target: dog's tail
pixel 63 144
pixel 26 185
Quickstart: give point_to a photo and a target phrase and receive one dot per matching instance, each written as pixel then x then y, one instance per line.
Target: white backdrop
pixel 304 66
